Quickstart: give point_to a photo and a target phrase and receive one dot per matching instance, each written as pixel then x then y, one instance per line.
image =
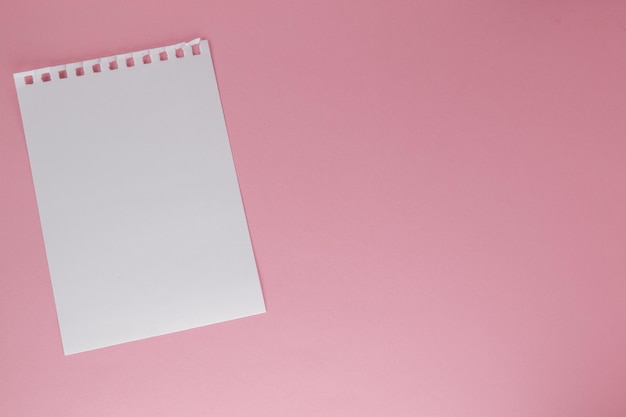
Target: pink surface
pixel 436 194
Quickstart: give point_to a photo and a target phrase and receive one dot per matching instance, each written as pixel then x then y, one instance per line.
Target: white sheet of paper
pixel 142 218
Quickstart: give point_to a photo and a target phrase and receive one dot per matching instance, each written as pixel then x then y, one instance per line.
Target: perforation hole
pixel 113 65
pixel 195 49
pixel 147 59
pixel 163 56
pixel 96 68
pixel 180 53
pixel 29 79
pixel 45 77
pixel 80 71
pixel 63 74
pixel 130 62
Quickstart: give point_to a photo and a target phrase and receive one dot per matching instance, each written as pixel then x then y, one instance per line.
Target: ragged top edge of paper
pixel 47 74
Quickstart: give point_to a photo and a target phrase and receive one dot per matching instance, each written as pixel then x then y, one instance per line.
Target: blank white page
pixel 142 218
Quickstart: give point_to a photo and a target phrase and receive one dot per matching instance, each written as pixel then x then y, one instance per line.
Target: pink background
pixel 436 192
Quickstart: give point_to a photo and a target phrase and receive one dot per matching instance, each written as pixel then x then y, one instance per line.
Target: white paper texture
pixel 142 218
